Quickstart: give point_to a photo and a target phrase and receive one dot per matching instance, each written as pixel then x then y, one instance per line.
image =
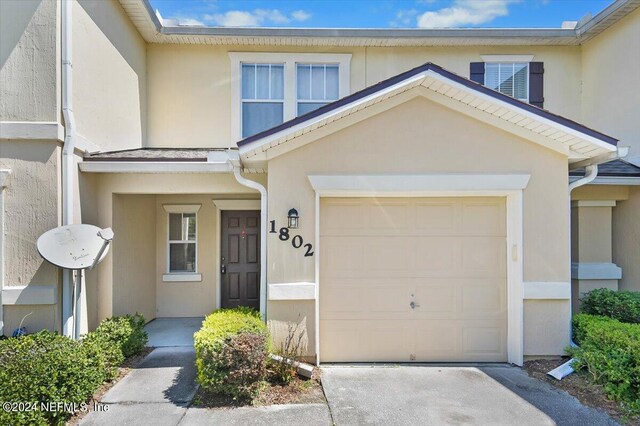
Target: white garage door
pixel 413 279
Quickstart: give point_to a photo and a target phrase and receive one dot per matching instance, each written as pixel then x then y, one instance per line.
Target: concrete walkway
pixel 450 395
pixel 172 331
pixel 160 390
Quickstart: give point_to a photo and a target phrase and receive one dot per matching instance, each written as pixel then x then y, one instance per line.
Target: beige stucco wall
pixel 188 299
pixel 610 104
pixel 28 65
pixel 134 278
pixel 626 239
pixel 109 64
pixel 34 169
pixel 169 298
pixel 190 86
pixel 422 137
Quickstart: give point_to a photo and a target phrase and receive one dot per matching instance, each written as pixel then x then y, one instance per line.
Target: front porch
pixel 172 332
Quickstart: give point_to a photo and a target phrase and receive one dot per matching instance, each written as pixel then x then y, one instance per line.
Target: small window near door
pixel 182 242
pixel 508 78
pixel 317 86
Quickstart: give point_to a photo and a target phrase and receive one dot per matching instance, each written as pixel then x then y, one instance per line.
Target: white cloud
pixel 189 21
pixel 404 18
pixel 300 15
pixel 464 13
pixel 255 18
pixel 234 18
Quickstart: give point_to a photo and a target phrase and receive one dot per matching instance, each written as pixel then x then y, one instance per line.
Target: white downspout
pixel 4 173
pixel 67 159
pixel 235 162
pixel 591 172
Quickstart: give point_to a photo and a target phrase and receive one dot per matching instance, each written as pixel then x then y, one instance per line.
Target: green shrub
pixel 126 332
pixel 610 351
pixel 48 368
pixel 621 305
pixel 45 367
pixel 231 352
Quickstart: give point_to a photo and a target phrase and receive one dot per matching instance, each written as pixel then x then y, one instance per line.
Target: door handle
pixel 413 305
pixel 223 269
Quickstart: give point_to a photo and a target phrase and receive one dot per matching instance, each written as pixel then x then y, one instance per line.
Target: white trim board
pixel 396 186
pixel 154 167
pixel 507 58
pixel 180 277
pixel 181 208
pixel 30 295
pixel 538 290
pixel 595 271
pixel 414 185
pixel 237 204
pixel 33 130
pixel 292 291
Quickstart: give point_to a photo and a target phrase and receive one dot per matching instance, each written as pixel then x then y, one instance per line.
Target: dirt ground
pixel 578 385
pixel 299 391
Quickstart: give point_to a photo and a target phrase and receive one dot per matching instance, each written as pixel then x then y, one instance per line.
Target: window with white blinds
pixel 508 78
pixel 317 85
pixel 262 97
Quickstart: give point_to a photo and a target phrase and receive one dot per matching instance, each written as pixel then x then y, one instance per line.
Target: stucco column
pixel 591 248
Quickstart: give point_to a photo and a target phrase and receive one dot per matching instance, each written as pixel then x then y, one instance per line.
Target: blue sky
pixel 378 13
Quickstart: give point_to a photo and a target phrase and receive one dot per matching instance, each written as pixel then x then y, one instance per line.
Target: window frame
pixel 170 275
pixel 290 61
pixel 243 101
pixel 311 100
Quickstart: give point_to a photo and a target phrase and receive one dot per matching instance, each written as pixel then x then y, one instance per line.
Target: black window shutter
pixel 536 84
pixel 477 72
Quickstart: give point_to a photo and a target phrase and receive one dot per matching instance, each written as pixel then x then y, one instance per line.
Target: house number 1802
pixel 297 241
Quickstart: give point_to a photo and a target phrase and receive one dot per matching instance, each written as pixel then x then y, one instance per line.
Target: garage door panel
pixel 483 340
pixel 484 256
pixel 370 298
pixel 483 218
pixel 448 255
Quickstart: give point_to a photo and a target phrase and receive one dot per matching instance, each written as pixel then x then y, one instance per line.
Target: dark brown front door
pixel 240 247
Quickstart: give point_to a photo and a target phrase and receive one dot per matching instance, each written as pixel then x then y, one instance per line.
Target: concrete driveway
pixel 449 395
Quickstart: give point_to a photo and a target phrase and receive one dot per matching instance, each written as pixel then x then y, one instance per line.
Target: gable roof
pixel 156 30
pixel 576 140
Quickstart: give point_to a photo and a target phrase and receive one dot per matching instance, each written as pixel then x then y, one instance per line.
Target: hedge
pixel 610 351
pixel 48 368
pixel 621 305
pixel 231 353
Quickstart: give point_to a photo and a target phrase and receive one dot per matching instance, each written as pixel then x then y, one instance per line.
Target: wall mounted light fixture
pixel 293 219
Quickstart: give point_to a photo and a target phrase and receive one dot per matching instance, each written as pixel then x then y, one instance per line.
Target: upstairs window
pixel 262 97
pixel 318 84
pixel 271 88
pixel 508 78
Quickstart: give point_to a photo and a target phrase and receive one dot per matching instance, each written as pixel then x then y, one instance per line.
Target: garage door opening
pixel 413 279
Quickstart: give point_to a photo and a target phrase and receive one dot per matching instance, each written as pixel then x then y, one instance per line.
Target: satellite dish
pixel 75 246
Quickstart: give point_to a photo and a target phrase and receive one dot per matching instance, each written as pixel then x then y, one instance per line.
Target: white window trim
pixel 290 87
pixel 508 186
pixel 507 58
pixel 171 276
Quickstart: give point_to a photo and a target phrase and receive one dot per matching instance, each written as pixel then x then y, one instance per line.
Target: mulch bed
pixel 579 386
pixel 124 369
pixel 299 391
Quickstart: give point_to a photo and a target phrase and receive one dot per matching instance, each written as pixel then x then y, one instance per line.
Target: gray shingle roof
pixel 153 154
pixel 615 168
